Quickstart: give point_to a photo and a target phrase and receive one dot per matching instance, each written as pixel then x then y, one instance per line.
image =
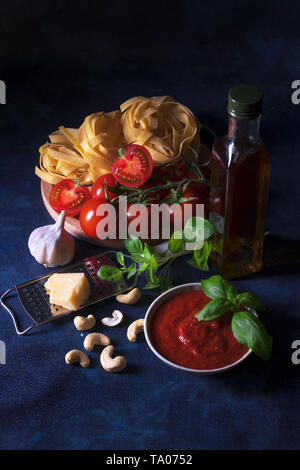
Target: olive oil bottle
pixel 240 172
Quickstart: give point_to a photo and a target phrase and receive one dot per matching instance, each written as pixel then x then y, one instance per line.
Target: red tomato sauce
pixel 181 338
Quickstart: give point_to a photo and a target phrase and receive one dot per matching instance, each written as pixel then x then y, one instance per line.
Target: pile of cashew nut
pixel 108 362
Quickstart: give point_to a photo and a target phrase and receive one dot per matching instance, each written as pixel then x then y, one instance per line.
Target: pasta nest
pixel 165 127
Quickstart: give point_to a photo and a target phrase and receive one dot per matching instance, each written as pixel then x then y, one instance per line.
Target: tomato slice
pixel 134 167
pixel 98 186
pixel 68 196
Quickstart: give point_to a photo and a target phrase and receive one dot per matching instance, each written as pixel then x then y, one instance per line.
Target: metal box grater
pixel 35 300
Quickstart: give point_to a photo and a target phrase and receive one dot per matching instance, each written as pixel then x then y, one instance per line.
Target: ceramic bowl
pixel 147 329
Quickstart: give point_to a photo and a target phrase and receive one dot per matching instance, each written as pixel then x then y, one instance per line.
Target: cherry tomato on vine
pixel 89 218
pixel 134 167
pixel 98 186
pixel 190 192
pixel 69 196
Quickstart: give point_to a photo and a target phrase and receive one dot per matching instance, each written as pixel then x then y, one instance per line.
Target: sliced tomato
pixel 69 196
pixel 98 186
pixel 134 167
pixel 89 218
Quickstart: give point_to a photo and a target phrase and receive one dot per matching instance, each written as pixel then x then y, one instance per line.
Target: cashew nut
pixel 132 297
pixel 94 339
pixel 77 356
pixel 136 327
pixel 84 323
pixel 114 320
pixel 109 363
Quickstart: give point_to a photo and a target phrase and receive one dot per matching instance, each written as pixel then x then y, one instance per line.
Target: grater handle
pixel 13 314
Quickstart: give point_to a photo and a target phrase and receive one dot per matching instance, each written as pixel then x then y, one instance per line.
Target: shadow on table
pixel 281 256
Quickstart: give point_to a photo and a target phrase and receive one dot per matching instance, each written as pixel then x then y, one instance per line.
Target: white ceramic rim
pixel 151 311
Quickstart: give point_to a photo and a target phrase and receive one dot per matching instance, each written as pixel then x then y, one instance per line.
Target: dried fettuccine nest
pixel 84 153
pixel 59 159
pixel 165 127
pixel 100 137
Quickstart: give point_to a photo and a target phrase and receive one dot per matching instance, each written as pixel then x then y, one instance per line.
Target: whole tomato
pixel 181 211
pixel 89 218
pixel 98 186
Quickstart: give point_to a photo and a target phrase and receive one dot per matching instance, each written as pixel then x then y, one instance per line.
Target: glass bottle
pixel 240 172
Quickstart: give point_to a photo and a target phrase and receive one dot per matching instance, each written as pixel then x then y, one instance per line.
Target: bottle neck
pixel 243 128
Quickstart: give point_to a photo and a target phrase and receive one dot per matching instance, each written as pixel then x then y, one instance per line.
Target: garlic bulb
pixel 52 245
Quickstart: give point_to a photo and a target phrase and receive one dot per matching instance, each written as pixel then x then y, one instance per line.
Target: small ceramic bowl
pixel 147 329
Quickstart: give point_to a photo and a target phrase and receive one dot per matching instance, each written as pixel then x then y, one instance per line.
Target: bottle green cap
pixel 245 101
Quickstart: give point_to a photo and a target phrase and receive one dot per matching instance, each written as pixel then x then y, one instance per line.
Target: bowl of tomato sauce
pixel 178 339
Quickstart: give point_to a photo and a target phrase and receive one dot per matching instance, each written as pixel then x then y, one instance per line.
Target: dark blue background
pixel 62 61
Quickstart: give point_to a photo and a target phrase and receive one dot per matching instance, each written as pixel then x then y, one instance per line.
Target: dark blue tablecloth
pixel 61 63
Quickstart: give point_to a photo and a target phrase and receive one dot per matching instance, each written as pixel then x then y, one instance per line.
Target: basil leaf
pixel 249 300
pixel 249 330
pixel 148 252
pixel 215 308
pixel 131 270
pixel 175 244
pixel 231 292
pixel 153 266
pixel 217 287
pixel 197 227
pixel 201 256
pixel 120 258
pixel 133 245
pixel 143 267
pixel 138 258
pixel 110 273
pixel 193 264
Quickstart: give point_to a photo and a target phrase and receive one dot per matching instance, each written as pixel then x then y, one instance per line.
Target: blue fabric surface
pixel 59 66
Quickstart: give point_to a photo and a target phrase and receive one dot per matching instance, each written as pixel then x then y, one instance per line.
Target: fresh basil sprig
pixel 246 326
pixel 249 330
pixel 157 266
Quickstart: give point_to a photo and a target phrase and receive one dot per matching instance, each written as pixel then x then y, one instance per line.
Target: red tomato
pixel 145 219
pixel 180 171
pixel 190 192
pixel 98 188
pixel 89 218
pixel 69 196
pixel 134 168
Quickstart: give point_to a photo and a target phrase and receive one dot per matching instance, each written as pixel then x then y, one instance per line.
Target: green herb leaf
pixel 143 267
pixel 217 287
pixel 175 244
pixel 197 228
pixel 148 252
pixel 134 245
pixel 249 330
pixel 193 264
pixel 201 256
pixel 214 309
pixel 120 258
pixel 249 300
pixel 131 270
pixel 110 273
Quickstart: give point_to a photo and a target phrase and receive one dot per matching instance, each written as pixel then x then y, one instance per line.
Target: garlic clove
pixel 52 245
